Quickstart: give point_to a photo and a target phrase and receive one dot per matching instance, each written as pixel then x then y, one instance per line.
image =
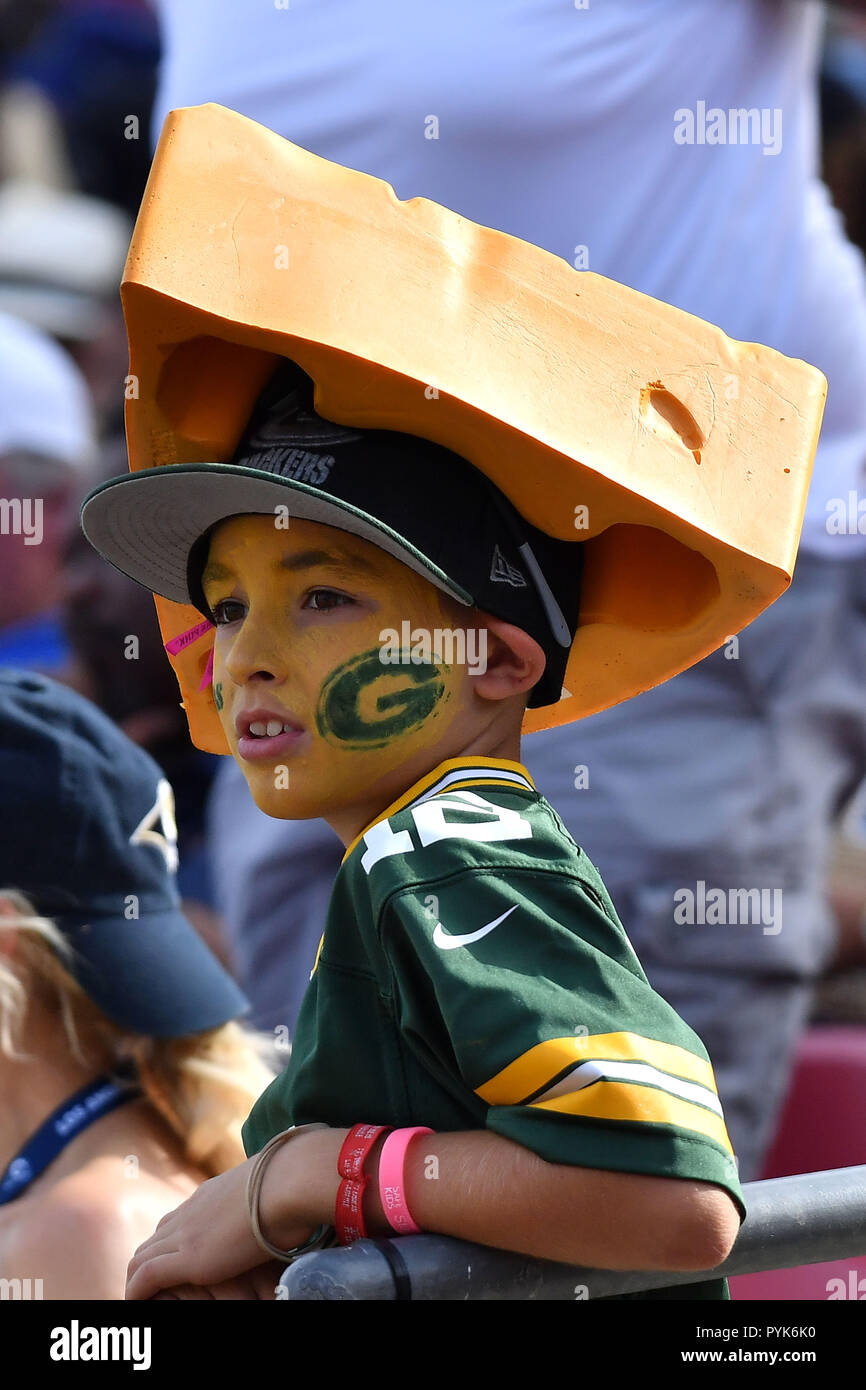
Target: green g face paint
pixel 340 718
pixel 218 694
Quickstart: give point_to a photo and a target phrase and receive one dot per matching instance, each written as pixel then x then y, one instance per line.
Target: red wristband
pixel 349 1213
pixel 356 1146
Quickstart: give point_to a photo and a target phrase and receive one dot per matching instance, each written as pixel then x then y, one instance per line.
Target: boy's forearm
pixel 480 1187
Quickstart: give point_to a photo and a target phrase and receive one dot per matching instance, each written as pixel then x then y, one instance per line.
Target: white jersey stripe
pixel 587 1073
pixel 470 774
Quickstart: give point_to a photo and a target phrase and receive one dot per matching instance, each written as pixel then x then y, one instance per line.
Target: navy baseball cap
pixel 420 502
pixel 89 836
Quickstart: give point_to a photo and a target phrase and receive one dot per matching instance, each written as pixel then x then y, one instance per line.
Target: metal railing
pixel 806 1219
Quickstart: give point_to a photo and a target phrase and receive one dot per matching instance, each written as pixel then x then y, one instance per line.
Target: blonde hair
pixel 203 1086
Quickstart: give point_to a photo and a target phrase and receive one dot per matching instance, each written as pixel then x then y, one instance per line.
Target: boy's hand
pixel 205 1242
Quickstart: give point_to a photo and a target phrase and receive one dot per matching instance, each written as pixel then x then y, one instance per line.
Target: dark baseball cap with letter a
pixel 88 834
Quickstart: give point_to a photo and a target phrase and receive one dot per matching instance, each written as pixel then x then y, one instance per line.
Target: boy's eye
pixel 319 600
pixel 218 608
pixel 329 594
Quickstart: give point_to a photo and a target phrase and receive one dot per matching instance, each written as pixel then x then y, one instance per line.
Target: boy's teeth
pixel 269 729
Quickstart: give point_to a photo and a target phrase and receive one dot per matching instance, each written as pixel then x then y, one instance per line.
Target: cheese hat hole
pixel 666 416
pixel 615 587
pixel 206 391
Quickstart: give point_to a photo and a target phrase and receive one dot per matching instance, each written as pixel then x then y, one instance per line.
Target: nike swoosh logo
pixel 448 943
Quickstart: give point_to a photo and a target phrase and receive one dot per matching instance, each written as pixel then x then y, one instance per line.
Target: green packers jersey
pixel 473 974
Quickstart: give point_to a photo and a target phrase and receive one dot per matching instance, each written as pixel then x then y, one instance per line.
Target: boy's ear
pixel 510 662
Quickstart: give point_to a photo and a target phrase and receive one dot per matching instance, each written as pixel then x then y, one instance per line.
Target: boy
pixel 473 975
pixel 473 978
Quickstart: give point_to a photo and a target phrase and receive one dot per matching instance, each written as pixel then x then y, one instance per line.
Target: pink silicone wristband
pixel 393 1198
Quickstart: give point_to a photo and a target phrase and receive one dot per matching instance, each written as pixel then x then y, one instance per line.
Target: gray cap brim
pixel 146 523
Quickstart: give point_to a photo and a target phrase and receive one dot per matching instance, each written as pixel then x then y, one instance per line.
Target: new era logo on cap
pixel 503 573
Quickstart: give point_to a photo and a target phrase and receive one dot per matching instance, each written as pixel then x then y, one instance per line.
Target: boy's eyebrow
pixel 213 571
pixel 305 559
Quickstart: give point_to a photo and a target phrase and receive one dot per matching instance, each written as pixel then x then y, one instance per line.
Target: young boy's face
pixel 299 614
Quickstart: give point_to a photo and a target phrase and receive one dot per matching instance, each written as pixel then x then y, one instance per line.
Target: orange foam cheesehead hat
pixel 679 458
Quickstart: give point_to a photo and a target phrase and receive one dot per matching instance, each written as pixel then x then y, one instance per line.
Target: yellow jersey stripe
pixel 535 1068
pixel 431 778
pixel 618 1100
pixel 318 953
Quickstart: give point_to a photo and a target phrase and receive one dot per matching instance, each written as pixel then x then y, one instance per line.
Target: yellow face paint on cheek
pixel 364 713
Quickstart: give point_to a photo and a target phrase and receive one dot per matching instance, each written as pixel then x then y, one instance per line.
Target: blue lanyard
pixel 63 1124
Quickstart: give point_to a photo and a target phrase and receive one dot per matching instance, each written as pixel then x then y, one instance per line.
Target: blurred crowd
pixel 84 85
pixel 78 82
